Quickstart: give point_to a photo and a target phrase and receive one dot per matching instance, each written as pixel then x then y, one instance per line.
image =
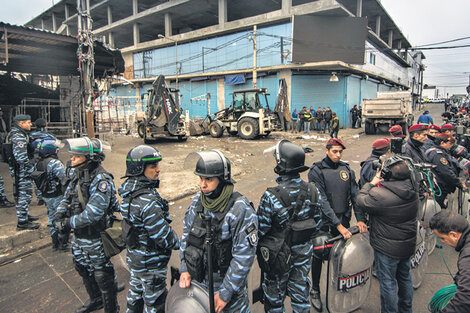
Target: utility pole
pixel 86 63
pixel 254 58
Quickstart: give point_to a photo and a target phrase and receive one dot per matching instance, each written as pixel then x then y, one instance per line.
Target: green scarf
pixel 218 204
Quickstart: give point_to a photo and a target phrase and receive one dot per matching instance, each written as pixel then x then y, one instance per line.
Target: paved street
pixel 45 281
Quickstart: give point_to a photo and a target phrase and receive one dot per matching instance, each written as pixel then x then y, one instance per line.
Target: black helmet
pixel 213 163
pixel 138 158
pixel 91 148
pixel 290 158
pixel 320 249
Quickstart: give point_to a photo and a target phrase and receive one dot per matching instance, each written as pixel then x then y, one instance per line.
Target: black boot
pixel 105 280
pixel 95 302
pixel 27 225
pixel 4 203
pixel 315 300
pixel 55 241
pixel 137 307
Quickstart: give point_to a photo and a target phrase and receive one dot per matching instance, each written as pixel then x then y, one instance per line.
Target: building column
pixel 67 15
pixel 286 6
pixel 135 7
pixel 222 12
pixel 136 34
pixel 390 38
pixel 54 23
pixel 42 24
pixel 110 15
pixel 168 25
pixel 359 8
pixel 377 25
pixel 111 40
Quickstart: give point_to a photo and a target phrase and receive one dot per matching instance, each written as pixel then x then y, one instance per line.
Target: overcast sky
pixel 421 21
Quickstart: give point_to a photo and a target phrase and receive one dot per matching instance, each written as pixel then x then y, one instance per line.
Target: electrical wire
pixel 441 298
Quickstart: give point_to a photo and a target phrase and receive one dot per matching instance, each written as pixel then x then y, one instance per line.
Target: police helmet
pixel 213 163
pixel 47 146
pixel 91 148
pixel 290 158
pixel 458 151
pixel 321 250
pixel 138 158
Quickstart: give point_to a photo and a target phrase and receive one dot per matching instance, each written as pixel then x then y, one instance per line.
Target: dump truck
pixel 248 116
pixel 163 116
pixel 388 109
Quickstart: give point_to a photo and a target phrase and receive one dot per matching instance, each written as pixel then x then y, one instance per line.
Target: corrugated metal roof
pixel 28 50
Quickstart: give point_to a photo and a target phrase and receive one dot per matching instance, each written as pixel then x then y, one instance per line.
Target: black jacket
pixel 461 301
pixel 328 116
pixel 413 149
pixel 393 207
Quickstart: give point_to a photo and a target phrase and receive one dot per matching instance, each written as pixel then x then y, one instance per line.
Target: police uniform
pixel 39 134
pixel 19 139
pixel 445 172
pixel 88 220
pixel 148 213
pixel 55 175
pixel 4 202
pixel 235 248
pixel 337 185
pixel 367 170
pixel 273 219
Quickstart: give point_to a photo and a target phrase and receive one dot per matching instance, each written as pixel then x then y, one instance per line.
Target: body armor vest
pixel 41 166
pixel 337 186
pixel 79 200
pixel 195 255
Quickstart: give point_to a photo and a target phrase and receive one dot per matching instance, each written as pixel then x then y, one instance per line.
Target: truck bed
pixel 384 108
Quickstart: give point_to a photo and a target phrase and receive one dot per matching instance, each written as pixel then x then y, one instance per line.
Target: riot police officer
pixel 54 173
pixel 235 227
pixel 151 239
pixel 445 171
pixel 379 148
pixel 413 147
pixel 21 168
pixel 287 213
pixel 88 202
pixel 336 182
pixel 39 134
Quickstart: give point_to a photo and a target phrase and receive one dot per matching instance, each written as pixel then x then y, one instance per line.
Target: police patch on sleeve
pixel 252 234
pixel 20 144
pixel 103 186
pixel 444 161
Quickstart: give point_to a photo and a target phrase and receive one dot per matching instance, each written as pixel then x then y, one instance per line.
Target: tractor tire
pixel 369 128
pixel 248 128
pixel 216 130
pixel 141 130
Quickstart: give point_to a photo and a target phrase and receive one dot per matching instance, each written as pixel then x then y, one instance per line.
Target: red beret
pixel 447 127
pixel 434 127
pixel 335 142
pixel 395 128
pixel 417 127
pixel 381 143
pixel 446 137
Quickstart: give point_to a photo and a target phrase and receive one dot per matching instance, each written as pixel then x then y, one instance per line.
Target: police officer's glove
pixel 62 225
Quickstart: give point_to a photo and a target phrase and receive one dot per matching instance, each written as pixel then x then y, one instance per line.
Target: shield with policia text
pixel 349 274
pixel 428 208
pixel 419 260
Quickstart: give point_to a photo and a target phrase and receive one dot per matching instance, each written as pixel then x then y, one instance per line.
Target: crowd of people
pixel 81 196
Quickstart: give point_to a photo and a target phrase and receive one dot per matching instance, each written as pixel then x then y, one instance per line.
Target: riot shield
pixel 429 208
pixel 463 198
pixel 349 272
pixel 194 299
pixel 419 260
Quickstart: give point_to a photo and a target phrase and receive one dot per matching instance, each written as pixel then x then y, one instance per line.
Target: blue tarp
pixel 235 79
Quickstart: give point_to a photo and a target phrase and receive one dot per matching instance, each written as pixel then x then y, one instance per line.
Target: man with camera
pixel 446 173
pixel 391 200
pixel 368 167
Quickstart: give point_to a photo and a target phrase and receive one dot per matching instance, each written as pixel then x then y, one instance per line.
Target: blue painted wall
pixel 318 91
pixel 223 53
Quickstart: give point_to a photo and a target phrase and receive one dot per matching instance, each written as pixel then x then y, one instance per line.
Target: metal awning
pixel 29 50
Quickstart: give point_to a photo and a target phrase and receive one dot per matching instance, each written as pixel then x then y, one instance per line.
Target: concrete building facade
pixel 208 46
